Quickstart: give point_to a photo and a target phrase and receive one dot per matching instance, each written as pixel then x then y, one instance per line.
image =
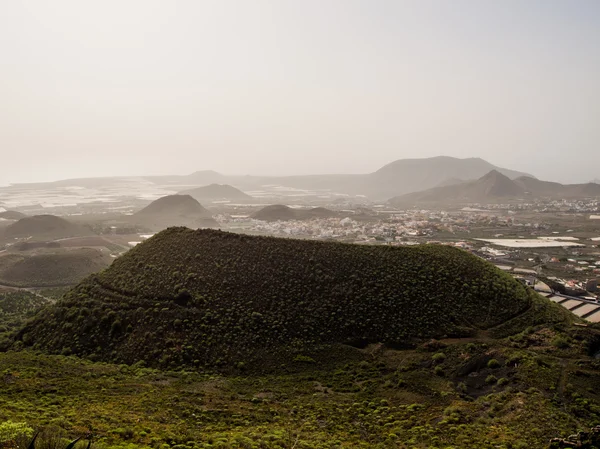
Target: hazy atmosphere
pixel 307 224
pixel 281 87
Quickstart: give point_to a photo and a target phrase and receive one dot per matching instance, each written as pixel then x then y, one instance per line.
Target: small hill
pixel 217 192
pixel 279 212
pixel 492 187
pixel 174 210
pixel 44 227
pixel 216 299
pixel 11 215
pixel 56 268
pixel 545 189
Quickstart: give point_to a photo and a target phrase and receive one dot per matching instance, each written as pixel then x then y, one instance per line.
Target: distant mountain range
pixel 397 178
pixel 174 210
pixel 495 187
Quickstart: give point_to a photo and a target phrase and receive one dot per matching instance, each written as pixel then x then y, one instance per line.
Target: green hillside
pixel 15 308
pixel 215 299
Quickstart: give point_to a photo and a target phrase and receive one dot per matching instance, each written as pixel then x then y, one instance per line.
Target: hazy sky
pixel 116 87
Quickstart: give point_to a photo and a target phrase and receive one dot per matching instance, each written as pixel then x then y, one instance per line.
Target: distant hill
pixel 412 175
pixel 494 187
pixel 56 268
pixel 279 212
pixel 44 227
pixel 217 192
pixel 545 189
pixel 12 215
pixel 215 299
pixel 174 210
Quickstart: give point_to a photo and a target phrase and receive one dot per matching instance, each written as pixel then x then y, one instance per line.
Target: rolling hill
pixel 174 210
pixel 216 192
pixel 59 267
pixel 495 187
pixel 11 215
pixel 279 212
pixel 44 227
pixel 215 299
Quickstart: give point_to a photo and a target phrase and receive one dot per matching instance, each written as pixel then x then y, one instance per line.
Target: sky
pixel 279 87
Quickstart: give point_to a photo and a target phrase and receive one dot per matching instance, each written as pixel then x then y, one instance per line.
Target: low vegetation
pixel 372 398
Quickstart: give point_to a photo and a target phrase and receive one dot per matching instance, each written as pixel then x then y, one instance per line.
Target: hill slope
pixel 279 212
pixel 217 299
pixel 49 227
pixel 217 192
pixel 57 268
pixel 174 210
pixel 12 215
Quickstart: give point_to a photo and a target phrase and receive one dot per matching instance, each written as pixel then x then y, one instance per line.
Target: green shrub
pixel 560 342
pixel 10 431
pixel 439 357
pixel 493 364
pixel 491 379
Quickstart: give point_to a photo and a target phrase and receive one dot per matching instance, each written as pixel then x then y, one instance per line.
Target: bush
pixel 10 431
pixel 493 364
pixel 439 357
pixel 491 379
pixel 560 342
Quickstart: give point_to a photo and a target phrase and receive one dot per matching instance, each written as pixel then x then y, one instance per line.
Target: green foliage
pixel 11 431
pixel 15 308
pixel 215 299
pixel 491 379
pixel 493 364
pixel 439 357
pixel 560 342
pixel 364 398
pixel 304 359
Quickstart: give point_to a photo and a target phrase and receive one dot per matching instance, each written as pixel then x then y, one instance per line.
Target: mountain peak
pixel 174 210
